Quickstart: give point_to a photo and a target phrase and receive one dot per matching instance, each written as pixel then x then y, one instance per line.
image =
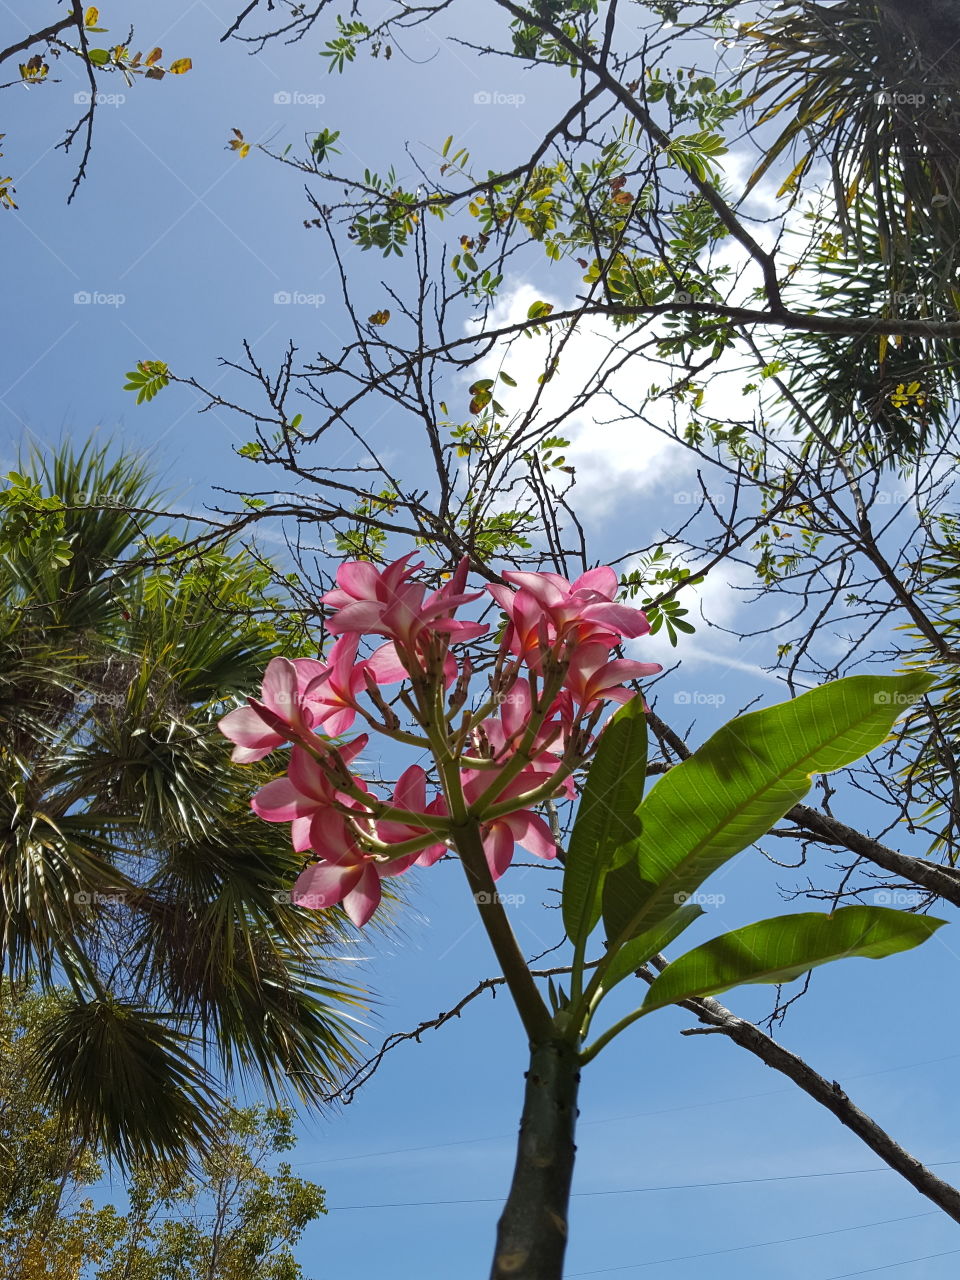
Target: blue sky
pixel 197 242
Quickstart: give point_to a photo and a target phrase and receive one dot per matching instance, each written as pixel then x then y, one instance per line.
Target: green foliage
pixel 225 1217
pixel 639 860
pixel 783 948
pixel 871 96
pixel 130 860
pixel 322 145
pixel 344 48
pixel 667 614
pixel 739 783
pixel 32 523
pixel 606 818
pixel 149 377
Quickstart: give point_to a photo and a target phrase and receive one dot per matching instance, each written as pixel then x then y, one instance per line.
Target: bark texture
pixel 532 1231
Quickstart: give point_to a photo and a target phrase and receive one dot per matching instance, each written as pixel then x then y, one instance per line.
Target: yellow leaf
pixel 179 67
pixel 153 56
pixel 91 17
pixel 244 150
pixel 884 343
pixel 379 317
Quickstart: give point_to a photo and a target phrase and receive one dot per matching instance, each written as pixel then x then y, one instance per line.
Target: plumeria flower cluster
pixel 495 759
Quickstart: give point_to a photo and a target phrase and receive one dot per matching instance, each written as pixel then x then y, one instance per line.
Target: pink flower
pixel 332 693
pixel 304 794
pixel 410 793
pixel 278 716
pixel 345 875
pixel 523 826
pixel 547 610
pixel 386 603
pixel 592 677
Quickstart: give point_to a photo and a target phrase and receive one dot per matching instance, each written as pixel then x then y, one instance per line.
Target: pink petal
pixel 433 853
pixel 300 834
pixel 503 596
pixel 385 665
pixel 546 588
pixel 353 748
pixel 308 778
pixel 603 580
pixel 336 720
pixel 253 737
pixel 359 578
pixel 362 901
pixel 618 617
pixel 396 866
pixel 308 669
pixel 361 615
pixel 280 801
pixel 324 884
pixel 280 687
pixel 498 846
pixel 330 837
pixel 533 833
pixel 411 789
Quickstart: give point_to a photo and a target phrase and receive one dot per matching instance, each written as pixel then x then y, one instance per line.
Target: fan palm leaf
pixel 131 868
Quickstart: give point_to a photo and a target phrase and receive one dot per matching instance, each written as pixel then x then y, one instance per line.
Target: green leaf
pixel 99 57
pixel 606 817
pixel 744 779
pixel 780 949
pixel 639 949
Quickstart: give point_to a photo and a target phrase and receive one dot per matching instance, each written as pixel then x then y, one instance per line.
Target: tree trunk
pixel 532 1231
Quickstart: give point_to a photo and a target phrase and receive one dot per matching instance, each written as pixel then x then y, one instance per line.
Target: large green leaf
pixel 780 949
pixel 734 788
pixel 606 819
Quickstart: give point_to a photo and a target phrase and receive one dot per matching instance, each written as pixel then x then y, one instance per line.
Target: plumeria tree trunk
pixel 532 1232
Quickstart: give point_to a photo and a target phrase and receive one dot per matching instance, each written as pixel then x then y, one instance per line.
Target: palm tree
pixel 871 88
pixel 865 97
pixel 131 869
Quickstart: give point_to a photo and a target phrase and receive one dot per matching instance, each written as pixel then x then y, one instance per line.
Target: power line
pixel 887 1265
pixel 739 1248
pixel 632 1115
pixel 630 1191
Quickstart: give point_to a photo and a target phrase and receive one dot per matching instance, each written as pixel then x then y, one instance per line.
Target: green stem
pixel 591 1051
pixel 533 1012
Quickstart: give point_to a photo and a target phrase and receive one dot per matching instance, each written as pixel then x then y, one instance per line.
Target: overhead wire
pixel 630 1191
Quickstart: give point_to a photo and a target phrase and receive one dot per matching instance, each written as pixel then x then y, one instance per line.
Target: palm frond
pixel 122 1077
pixel 867 89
